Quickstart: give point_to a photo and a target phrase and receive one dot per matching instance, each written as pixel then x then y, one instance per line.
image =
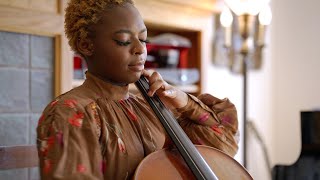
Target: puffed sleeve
pixel 68 146
pixel 210 121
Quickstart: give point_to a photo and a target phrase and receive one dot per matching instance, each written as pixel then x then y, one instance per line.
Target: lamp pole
pixel 245 85
pixel 247 12
pixel 246 24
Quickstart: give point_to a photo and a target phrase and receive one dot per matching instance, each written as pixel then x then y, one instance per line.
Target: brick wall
pixel 26 87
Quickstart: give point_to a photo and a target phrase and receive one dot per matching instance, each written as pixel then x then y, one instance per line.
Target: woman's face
pixel 119 45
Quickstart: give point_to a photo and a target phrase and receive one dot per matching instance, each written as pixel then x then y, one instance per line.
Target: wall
pixel 287 83
pixel 295 53
pixel 26 78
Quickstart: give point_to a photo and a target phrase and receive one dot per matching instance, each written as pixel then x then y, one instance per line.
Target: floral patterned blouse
pixel 91 132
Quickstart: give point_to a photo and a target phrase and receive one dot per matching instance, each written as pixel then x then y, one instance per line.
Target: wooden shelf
pixel 194 53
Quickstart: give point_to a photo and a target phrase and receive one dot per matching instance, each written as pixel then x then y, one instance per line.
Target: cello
pixel 186 161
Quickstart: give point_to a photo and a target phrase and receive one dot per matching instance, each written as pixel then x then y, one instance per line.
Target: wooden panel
pixel 18 157
pixel 63 64
pixel 36 5
pixel 207 5
pixel 15 3
pixel 172 15
pixel 64 58
pixel 28 21
pixel 45 5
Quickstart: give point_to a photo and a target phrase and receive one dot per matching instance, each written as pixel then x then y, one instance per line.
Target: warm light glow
pixel 252 7
pixel 226 17
pixel 265 15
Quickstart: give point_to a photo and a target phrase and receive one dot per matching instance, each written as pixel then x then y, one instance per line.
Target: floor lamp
pixel 252 17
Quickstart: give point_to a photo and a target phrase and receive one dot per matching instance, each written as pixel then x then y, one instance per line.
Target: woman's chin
pixel 137 75
pixel 134 78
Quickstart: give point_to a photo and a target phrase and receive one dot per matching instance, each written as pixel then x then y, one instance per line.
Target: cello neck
pixel 190 154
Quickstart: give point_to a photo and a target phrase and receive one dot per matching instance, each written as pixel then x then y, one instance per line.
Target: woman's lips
pixel 137 67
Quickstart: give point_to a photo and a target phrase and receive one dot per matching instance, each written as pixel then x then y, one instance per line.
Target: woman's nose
pixel 139 48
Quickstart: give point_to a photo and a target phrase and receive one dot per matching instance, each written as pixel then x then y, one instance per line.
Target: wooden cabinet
pixel 194 53
pixel 191 19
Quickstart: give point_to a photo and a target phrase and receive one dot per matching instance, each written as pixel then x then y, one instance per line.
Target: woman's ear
pixel 85 46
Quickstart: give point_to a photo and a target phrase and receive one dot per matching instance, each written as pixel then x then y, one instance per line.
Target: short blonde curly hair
pixel 82 14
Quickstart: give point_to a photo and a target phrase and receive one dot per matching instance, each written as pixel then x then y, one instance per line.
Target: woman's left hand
pixel 171 96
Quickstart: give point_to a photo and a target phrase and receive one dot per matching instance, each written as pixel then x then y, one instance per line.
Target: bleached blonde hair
pixel 81 15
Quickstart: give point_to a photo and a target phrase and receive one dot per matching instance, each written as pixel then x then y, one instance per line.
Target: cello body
pixel 167 164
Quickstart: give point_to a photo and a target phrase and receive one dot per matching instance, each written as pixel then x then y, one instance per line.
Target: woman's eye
pixel 121 43
pixel 144 41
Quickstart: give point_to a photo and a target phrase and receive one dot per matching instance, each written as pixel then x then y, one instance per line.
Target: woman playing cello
pixel 101 131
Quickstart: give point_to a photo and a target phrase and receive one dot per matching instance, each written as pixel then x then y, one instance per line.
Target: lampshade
pixel 252 7
pixel 265 15
pixel 226 17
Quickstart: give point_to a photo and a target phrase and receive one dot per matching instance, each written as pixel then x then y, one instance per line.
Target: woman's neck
pixel 109 80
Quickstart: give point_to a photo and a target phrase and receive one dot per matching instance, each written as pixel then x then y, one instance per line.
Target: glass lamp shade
pixel 265 15
pixel 226 17
pixel 251 7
